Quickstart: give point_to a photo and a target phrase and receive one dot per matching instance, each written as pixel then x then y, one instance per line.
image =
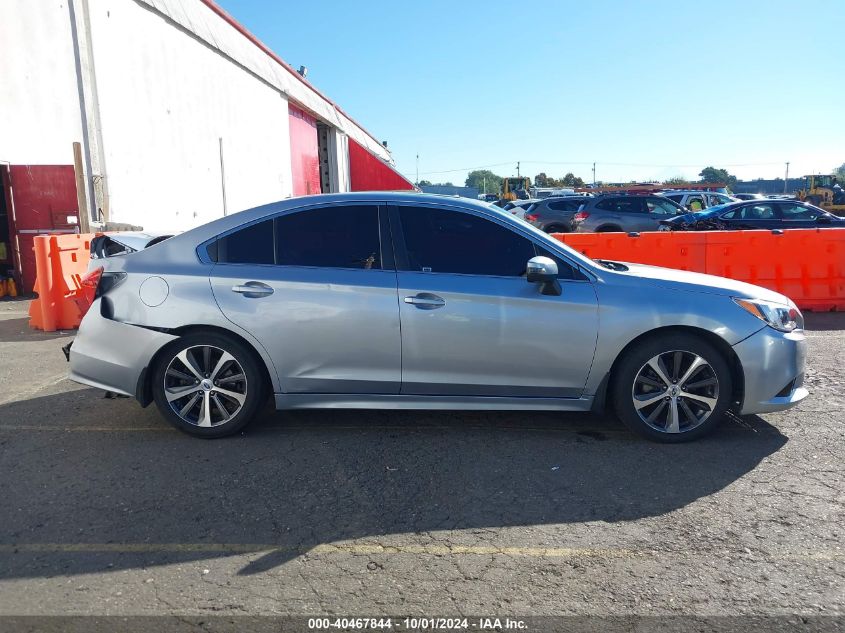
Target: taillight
pixel 580 216
pixel 94 284
pixel 84 296
pixel 531 217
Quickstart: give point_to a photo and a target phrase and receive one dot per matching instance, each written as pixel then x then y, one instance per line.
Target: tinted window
pixel 443 241
pixel 565 205
pixel 250 245
pixel 751 212
pixel 564 269
pixel 660 206
pixel 329 237
pixel 798 212
pixel 621 205
pixel 676 198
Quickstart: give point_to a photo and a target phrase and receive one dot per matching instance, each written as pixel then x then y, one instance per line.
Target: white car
pixel 697 200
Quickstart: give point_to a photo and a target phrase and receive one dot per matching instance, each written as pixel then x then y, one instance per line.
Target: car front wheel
pixel 208 385
pixel 673 388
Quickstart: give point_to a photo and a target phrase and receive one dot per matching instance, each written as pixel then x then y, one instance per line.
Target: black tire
pixel 629 367
pixel 253 387
pixel 556 228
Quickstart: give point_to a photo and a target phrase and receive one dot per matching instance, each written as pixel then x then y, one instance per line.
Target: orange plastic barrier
pixel 60 263
pixel 807 265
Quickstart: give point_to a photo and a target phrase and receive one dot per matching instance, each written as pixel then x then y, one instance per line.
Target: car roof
pixel 197 235
pixel 744 203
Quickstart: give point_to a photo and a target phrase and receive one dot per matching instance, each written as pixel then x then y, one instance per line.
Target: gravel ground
pixel 106 510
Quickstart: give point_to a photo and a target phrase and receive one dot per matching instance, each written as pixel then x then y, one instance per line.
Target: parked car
pixel 303 299
pixel 554 215
pixel 624 213
pixel 697 200
pixel 749 196
pixel 755 214
pixel 518 207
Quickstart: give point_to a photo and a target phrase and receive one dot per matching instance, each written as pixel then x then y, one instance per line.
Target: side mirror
pixel 543 270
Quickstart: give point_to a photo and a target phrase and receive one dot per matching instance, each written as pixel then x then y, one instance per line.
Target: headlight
pixel 784 318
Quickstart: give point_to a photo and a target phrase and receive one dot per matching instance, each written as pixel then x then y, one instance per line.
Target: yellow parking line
pixel 370 549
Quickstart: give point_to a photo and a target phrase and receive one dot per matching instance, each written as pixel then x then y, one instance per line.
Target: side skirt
pixel 392 401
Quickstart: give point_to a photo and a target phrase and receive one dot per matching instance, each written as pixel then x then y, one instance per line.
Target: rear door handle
pixel 253 289
pixel 426 301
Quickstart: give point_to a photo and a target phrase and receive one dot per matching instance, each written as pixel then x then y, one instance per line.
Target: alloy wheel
pixel 675 391
pixel 205 385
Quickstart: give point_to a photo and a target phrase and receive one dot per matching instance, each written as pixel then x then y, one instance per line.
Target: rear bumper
pixel 773 364
pixel 111 355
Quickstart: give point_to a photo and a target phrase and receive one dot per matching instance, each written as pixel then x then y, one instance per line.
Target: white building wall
pixel 199 19
pixel 165 100
pixel 39 101
pixel 163 82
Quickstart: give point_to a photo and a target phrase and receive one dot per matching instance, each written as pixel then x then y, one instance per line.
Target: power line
pixel 593 163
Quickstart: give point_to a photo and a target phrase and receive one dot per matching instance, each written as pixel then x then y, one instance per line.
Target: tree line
pixel 488 182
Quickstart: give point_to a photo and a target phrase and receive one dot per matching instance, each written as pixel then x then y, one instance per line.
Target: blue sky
pixel 648 90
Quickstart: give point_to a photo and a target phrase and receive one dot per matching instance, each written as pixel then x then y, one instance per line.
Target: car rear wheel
pixel 208 385
pixel 672 388
pixel 556 228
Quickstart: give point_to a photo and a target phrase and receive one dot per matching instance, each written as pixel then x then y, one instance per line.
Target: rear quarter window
pixel 250 245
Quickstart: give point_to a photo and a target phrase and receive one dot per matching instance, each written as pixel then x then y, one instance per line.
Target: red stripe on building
pixel 369 173
pixel 304 159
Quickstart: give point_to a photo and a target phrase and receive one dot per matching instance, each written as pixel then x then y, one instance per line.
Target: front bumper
pixel 111 355
pixel 773 365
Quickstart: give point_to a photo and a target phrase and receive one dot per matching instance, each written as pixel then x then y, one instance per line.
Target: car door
pixel 471 323
pixel 799 216
pixel 634 214
pixel 756 215
pixel 317 287
pixel 657 209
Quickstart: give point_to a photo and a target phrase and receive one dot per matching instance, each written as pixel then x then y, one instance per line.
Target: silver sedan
pixel 410 301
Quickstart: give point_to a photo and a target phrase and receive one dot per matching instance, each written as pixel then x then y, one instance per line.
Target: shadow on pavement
pixel 824 321
pixel 18 331
pixel 297 480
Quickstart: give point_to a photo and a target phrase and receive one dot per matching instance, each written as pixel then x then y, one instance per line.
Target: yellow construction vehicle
pixel 515 188
pixel 825 192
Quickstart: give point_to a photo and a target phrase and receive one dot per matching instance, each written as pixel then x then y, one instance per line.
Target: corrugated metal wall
pixel 44 197
pixel 368 173
pixel 304 158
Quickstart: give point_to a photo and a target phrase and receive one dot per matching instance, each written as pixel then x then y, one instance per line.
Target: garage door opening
pixel 323 152
pixel 7 264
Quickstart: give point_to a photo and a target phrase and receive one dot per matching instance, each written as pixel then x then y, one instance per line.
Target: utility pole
pixel 786 178
pixel 223 176
pixel 418 170
pixel 517 169
pixel 594 174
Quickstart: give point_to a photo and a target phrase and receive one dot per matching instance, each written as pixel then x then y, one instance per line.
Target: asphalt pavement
pixel 108 511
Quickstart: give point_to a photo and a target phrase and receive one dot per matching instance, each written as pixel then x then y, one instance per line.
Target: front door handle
pixel 253 289
pixel 426 301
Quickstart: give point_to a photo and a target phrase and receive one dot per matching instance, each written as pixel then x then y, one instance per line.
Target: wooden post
pixel 81 195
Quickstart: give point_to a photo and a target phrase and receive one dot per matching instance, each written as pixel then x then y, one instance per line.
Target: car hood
pixel 689 218
pixel 699 282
